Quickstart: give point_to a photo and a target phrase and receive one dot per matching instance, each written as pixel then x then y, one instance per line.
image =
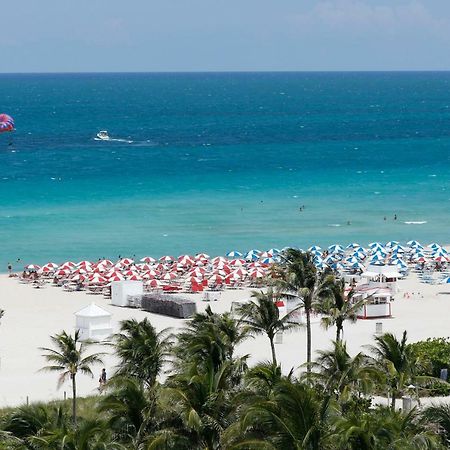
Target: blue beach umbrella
pixel 391 243
pixel 375 244
pixel 434 246
pixel 315 248
pixel 398 248
pixel 335 248
pixel 352 260
pixel 353 245
pixel 357 265
pixel 273 251
pixel 446 280
pixel 413 244
pixel 234 254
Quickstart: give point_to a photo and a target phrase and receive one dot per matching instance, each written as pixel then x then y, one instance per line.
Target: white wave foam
pixel 420 222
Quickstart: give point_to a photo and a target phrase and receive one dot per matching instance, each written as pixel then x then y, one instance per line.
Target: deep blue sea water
pixel 220 162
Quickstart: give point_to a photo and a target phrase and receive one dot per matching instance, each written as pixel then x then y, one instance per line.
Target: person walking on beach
pixel 102 380
pixel 9 268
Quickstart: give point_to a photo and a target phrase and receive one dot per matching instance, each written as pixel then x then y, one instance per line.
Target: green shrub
pixel 433 354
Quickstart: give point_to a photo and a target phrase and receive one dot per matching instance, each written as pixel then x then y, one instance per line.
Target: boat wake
pixel 420 222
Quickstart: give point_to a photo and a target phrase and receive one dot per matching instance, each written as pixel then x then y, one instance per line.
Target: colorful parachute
pixel 6 123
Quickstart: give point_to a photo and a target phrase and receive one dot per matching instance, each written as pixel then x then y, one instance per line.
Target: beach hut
pixel 121 290
pixel 378 303
pixel 93 323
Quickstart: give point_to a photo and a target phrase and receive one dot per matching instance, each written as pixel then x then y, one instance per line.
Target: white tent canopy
pixel 93 323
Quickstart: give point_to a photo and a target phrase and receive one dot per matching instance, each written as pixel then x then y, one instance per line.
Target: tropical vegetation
pixel 195 390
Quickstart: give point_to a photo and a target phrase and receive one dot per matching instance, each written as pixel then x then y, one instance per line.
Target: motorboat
pixel 102 136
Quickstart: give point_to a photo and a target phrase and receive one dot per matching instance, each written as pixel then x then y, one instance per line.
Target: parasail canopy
pixel 6 123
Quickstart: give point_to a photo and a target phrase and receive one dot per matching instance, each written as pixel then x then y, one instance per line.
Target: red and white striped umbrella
pixel 186 260
pixel 169 276
pixel 239 273
pixel 201 256
pixel 159 267
pixel 116 276
pixel 222 273
pixel 97 279
pixel 84 263
pixel 238 262
pixel 51 265
pixel 106 262
pixel 222 266
pixel 154 283
pixel 126 262
pixel 216 279
pixel 80 270
pixel 143 267
pixel 198 272
pixel 134 277
pixel 45 269
pixel 219 259
pixel 129 272
pixel 78 277
pixel 440 259
pixel 148 260
pixel 68 264
pixel 257 274
pixel 195 280
pixel 167 258
pixel 62 272
pixel 32 267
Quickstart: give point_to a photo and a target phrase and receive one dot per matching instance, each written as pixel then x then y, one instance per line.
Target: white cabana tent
pixel 93 323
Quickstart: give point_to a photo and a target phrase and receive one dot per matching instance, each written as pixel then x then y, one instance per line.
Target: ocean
pixel 220 161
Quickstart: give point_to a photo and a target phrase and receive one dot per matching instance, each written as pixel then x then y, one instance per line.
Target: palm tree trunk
pixel 308 341
pixel 393 400
pixel 74 401
pixel 338 330
pixel 274 357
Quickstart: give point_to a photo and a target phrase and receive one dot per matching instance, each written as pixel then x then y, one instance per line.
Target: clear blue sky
pixel 220 35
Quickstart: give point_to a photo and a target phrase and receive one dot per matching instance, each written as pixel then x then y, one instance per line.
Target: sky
pixel 224 35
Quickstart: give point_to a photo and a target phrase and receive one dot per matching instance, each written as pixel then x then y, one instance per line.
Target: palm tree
pixel 295 417
pixel 382 428
pixel 397 361
pixel 141 349
pixel 439 417
pixel 69 359
pixel 339 307
pixel 209 338
pixel 299 277
pixel 341 375
pixel 263 316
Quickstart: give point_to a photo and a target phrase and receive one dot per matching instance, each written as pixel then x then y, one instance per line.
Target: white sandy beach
pixel 32 315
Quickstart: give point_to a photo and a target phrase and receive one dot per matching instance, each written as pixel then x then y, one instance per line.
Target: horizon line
pixel 226 71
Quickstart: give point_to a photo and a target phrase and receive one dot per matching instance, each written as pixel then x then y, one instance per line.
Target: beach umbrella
pixel 201 256
pixel 352 260
pixel 336 248
pixel 315 248
pixel 250 256
pixel 51 265
pixel 186 260
pixel 154 283
pixel 78 277
pixel 446 280
pixel 169 276
pixel 216 279
pixel 357 265
pixel 237 262
pixel 273 251
pixel 421 259
pixel 434 246
pixel 353 245
pixel 219 259
pixel 84 263
pixel 413 244
pixel 97 279
pixel 62 273
pixel 68 264
pixel 144 267
pixel 257 273
pixel 197 272
pixel 269 260
pixel 439 252
pixel 116 276
pixel 440 258
pixel 391 243
pixel 134 277
pixel 126 262
pixel 32 267
pixel 148 260
pixel 234 254
pixel 398 248
pixel 167 258
pixel 238 273
pixel 316 253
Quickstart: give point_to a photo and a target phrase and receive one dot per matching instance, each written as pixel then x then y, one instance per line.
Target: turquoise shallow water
pixel 221 161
